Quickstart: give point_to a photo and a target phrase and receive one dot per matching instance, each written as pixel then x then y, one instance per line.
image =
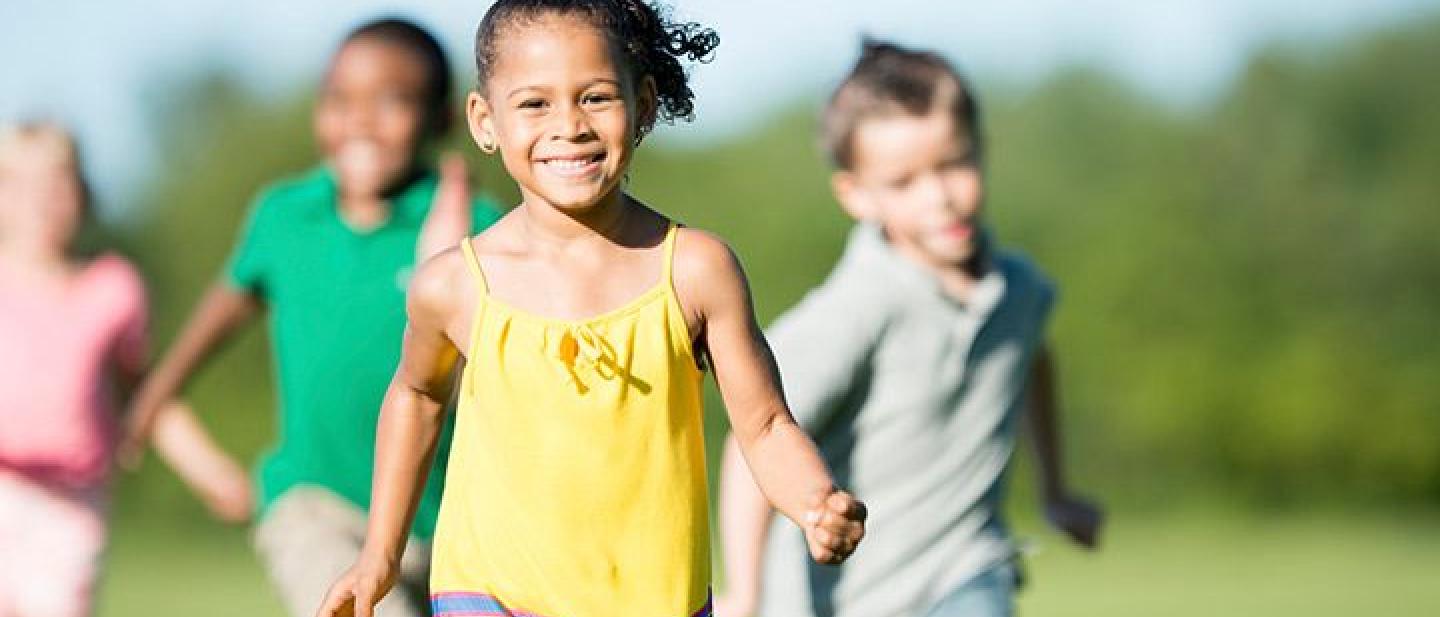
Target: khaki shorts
pixel 310 536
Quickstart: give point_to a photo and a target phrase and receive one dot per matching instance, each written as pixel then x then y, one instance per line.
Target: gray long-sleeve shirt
pixel 912 398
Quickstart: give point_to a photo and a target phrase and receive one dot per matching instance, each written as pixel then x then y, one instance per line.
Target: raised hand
pixel 834 526
pixel 450 218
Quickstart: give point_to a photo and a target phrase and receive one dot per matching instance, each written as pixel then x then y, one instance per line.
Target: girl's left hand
pixel 834 527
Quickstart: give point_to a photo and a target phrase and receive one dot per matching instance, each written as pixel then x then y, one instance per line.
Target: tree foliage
pixel 1250 291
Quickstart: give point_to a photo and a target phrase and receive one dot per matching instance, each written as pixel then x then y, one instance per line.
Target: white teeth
pixel 568 164
pixel 358 152
pixel 358 157
pixel 571 167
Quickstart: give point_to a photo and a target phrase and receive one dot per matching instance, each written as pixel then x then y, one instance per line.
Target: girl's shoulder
pixel 705 272
pixel 702 254
pixel 112 281
pixel 113 270
pixel 442 283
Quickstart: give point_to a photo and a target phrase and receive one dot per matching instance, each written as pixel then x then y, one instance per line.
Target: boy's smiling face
pixel 370 119
pixel 919 178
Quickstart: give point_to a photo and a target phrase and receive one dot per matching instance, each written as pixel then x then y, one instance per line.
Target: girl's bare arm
pixel 219 481
pixel 410 421
pixel 220 314
pixel 783 459
pixel 212 474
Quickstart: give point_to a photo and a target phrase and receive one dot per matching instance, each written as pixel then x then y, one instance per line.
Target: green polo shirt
pixel 336 300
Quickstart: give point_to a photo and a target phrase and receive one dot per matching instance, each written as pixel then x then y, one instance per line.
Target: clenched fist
pixel 834 526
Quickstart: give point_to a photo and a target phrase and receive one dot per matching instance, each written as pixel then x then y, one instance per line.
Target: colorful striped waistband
pixel 468 604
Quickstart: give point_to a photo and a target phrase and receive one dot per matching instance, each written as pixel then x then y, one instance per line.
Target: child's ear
pixel 851 197
pixel 481 122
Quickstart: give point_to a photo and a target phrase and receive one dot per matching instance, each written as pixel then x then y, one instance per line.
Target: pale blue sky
pixel 96 64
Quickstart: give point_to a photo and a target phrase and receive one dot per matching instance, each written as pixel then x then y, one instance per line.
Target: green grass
pixel 1199 561
pixel 1226 564
pixel 152 572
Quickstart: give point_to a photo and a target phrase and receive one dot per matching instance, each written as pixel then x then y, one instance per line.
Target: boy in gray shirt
pixel 910 367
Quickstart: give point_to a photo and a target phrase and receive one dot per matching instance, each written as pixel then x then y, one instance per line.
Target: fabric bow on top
pixel 582 350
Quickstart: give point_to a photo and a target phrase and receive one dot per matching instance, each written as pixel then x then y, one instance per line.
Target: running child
pixel 576 483
pixel 74 333
pixel 909 366
pixel 326 256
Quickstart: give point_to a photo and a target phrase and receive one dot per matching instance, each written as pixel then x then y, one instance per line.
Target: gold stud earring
pixel 488 146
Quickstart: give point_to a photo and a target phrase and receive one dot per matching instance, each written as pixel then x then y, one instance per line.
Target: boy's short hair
pixel 890 80
pixel 411 36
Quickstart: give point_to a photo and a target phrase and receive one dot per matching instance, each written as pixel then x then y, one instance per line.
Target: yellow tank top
pixel 576 482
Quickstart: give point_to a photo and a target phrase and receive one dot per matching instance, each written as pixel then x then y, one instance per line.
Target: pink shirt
pixel 59 349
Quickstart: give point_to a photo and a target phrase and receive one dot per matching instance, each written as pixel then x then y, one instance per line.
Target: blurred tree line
pixel 1249 290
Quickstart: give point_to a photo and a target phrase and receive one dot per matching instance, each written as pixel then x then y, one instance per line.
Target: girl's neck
pixel 554 226
pixel 34 258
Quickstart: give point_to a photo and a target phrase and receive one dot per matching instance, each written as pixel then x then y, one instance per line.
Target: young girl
pixel 576 484
pixel 326 257
pixel 74 333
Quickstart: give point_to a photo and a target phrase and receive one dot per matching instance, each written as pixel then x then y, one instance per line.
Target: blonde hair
pixel 44 143
pixel 37 140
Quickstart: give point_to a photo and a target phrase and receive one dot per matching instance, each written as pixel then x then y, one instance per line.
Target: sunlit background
pixel 1239 199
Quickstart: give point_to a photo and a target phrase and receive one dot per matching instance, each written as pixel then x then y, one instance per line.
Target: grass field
pixel 1313 565
pixel 1199 561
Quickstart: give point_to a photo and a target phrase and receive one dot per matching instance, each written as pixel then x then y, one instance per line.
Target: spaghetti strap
pixel 474 263
pixel 667 268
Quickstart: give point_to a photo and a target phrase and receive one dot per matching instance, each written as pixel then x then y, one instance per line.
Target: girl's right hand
pixel 357 591
pixel 834 527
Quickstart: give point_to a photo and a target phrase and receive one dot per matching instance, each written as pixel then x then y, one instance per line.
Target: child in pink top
pixel 71 334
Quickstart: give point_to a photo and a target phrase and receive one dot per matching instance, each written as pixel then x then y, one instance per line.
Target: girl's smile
pixel 573 166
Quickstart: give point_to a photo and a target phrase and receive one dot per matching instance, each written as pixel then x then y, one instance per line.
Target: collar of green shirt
pixel 408 203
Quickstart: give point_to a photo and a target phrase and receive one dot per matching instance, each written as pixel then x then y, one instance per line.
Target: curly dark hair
pixel 648 41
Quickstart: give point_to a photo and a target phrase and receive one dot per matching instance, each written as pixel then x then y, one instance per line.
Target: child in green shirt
pixel 327 256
